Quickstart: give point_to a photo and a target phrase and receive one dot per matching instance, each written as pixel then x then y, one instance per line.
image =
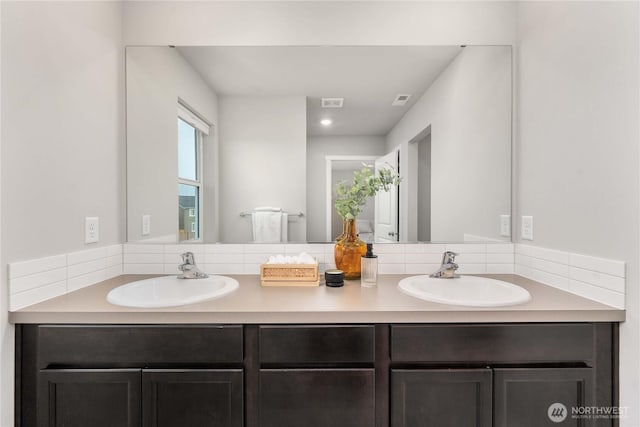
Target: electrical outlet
pixel 527 228
pixel 91 229
pixel 146 225
pixel 505 225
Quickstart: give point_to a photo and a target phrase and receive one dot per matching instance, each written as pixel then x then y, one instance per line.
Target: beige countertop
pixel 352 303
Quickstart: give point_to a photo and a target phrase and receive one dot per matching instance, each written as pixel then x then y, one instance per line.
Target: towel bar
pixel 299 214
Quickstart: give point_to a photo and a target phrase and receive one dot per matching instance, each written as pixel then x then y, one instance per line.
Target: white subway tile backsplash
pixel 467 248
pixel 389 248
pixel 296 248
pixel 418 258
pixel 543 277
pixel 598 279
pixel 471 258
pixel 224 268
pixel 546 254
pixel 425 248
pixel 391 258
pixel 86 267
pixel 420 268
pixel 39 279
pixel 114 260
pixel 472 269
pixel 597 293
pixel 500 268
pixel 257 258
pixel 86 256
pixel 595 278
pixel 32 281
pixel 146 258
pixel 499 258
pixel 79 282
pixel 251 269
pixel 391 269
pixel 607 266
pixel 500 248
pixel 130 248
pixel 114 250
pixel 218 248
pixel 264 248
pixel 34 296
pixel 196 249
pixel 143 268
pixel 550 267
pixel 220 258
pixel 24 268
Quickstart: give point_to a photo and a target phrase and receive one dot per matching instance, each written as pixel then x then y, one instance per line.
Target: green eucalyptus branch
pixel 351 198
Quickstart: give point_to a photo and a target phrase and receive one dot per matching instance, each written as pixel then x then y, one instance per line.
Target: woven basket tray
pixel 289 274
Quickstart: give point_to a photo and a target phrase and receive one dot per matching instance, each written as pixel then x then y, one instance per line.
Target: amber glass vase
pixel 348 251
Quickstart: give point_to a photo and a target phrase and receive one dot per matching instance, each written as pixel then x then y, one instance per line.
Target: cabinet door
pixel 193 398
pixel 441 397
pixel 89 397
pixel 542 397
pixel 317 398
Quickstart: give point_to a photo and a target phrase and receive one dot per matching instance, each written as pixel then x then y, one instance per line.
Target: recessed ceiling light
pixel 326 122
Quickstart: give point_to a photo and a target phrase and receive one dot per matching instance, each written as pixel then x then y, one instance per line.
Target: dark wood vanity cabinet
pixel 382 375
pixel 130 376
pixel 501 375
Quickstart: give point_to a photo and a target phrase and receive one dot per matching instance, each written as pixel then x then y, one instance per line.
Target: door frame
pixel 329 159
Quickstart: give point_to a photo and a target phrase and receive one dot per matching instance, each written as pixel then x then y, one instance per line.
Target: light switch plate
pixel 91 229
pixel 505 225
pixel 527 228
pixel 146 225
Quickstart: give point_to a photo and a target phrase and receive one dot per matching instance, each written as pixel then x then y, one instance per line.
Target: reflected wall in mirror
pixel 225 144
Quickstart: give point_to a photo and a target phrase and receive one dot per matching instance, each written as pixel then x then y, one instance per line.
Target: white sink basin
pixel 465 290
pixel 169 291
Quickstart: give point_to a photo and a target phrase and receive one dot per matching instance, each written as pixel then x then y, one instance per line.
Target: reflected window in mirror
pixel 189 181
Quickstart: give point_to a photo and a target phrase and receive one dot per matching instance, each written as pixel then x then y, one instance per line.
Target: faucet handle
pixel 187 258
pixel 449 257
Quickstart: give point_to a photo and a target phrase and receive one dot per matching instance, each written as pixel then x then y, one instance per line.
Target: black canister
pixel 334 278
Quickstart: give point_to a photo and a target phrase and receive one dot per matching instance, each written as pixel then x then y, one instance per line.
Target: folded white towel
pixel 267 226
pixel 302 258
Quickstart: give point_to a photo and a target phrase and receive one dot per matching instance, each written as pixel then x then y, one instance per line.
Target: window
pixel 191 131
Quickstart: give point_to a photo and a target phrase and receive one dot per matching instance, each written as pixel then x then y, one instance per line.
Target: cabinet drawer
pixel 317 398
pixel 139 345
pixel 509 343
pixel 317 345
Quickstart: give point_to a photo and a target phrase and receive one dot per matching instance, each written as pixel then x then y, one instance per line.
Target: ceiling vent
pixel 332 102
pixel 400 100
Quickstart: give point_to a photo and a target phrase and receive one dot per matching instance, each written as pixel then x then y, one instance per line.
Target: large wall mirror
pixel 246 144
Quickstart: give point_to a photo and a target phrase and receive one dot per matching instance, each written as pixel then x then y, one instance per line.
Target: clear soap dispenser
pixel 369 270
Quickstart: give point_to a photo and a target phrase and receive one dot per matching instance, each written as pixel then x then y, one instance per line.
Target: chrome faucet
pixel 189 268
pixel 448 268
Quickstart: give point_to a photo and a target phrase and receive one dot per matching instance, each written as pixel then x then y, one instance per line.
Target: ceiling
pixel 368 78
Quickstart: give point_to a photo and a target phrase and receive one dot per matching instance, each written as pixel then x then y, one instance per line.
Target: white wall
pixel 156 78
pixel 318 147
pixel 468 109
pixel 577 161
pixel 62 137
pixel 262 161
pixel 285 23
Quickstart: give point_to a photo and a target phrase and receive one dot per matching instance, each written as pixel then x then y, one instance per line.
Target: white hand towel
pixel 267 226
pixel 267 209
pixel 284 228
